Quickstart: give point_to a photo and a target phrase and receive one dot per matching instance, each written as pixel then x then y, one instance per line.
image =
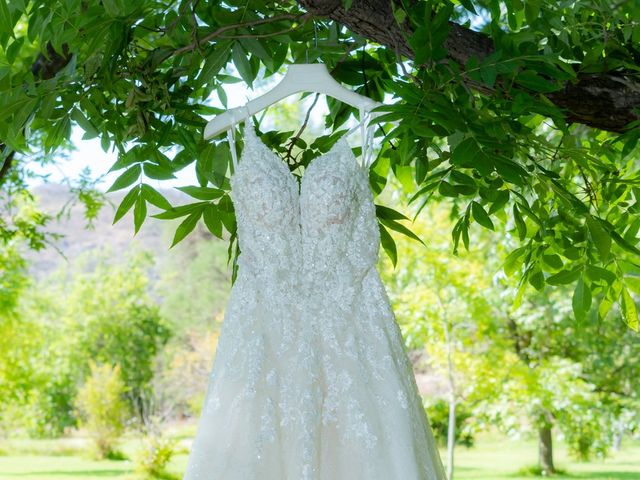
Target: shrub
pixel 438 413
pixel 102 409
pixel 155 455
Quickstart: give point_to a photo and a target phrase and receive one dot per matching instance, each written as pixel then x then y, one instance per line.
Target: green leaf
pixel 398 227
pixel 422 169
pixel 464 153
pixel 564 277
pixel 59 133
pixel 256 48
pixel 241 61
pixel 623 243
pixel 86 125
pixel 501 199
pixel 202 193
pixel 125 159
pixel 388 245
pixel 446 189
pixel 389 213
pixel 597 273
pixel 536 279
pixel 480 215
pixel 13 49
pixel 600 237
pixel 181 211
pixel 462 178
pixel 510 171
pixel 469 6
pixel 535 82
pixel 157 172
pixel 216 59
pixel 186 227
pixel 154 197
pixel 405 175
pixel 514 261
pixel 521 226
pixel 6 22
pixel 629 310
pixel 554 261
pixel 604 308
pixel 126 204
pixel 112 7
pixel 488 73
pixel 139 213
pixel 212 220
pixel 581 301
pixel 126 179
pixel 532 10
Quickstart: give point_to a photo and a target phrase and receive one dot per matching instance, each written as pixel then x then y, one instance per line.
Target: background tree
pixel 443 305
pixel 529 368
pixel 94 310
pixel 102 408
pixel 572 376
pixel 522 112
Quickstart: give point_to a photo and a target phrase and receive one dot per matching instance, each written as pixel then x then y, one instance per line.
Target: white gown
pixel 311 379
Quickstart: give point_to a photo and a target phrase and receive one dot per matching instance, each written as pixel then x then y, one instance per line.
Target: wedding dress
pixel 311 379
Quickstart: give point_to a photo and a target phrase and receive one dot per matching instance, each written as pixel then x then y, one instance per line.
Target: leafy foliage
pixel 94 310
pixel 513 367
pixel 102 408
pixel 438 413
pixel 481 131
pixel 155 455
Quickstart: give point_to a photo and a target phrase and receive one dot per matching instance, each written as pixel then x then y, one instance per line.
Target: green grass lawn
pixel 492 459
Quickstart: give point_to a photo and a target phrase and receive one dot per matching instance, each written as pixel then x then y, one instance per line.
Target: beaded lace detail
pixel 311 379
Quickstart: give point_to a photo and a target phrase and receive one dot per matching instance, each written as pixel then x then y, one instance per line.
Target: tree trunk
pixel 451 428
pixel 618 433
pixel 545 450
pixel 451 436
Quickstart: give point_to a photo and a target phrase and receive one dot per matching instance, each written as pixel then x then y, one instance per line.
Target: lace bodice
pixel 265 197
pixel 331 222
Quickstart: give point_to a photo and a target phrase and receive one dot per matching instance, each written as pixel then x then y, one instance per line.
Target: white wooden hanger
pixel 303 77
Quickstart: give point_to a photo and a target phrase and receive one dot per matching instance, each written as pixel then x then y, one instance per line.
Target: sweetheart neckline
pixel 339 143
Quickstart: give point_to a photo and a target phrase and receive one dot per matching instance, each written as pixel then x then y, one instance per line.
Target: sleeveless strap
pixel 370 139
pixel 366 134
pixel 231 136
pixel 363 136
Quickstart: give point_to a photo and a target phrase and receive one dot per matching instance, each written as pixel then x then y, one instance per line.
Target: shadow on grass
pixel 67 473
pixel 583 475
pixel 608 475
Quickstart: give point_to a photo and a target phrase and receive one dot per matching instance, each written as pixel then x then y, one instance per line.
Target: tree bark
pixel 545 450
pixel 605 101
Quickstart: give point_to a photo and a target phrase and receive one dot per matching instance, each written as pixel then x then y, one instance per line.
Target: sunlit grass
pixel 503 459
pixel 492 459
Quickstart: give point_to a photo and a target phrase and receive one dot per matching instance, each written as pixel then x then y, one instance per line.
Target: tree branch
pixel 43 68
pixel 606 101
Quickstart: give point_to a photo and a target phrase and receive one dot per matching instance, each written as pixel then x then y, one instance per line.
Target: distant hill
pixel 154 236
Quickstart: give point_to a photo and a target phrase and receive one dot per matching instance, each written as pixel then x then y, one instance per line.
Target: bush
pixel 153 458
pixel 438 413
pixel 102 409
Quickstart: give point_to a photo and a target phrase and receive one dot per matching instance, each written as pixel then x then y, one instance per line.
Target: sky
pixel 89 153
